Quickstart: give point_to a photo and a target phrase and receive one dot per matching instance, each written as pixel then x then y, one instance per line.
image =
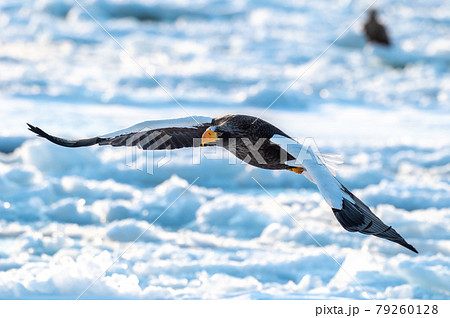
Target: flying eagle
pixel 256 142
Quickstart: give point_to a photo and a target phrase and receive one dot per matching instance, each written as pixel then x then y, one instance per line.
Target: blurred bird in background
pixel 375 31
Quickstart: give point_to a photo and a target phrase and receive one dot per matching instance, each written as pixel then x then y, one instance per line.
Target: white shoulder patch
pixel 317 169
pixel 185 122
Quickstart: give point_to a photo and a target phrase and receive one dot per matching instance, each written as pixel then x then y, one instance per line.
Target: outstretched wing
pixel 148 135
pixel 350 211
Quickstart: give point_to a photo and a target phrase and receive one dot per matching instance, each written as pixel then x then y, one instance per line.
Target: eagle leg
pixel 297 170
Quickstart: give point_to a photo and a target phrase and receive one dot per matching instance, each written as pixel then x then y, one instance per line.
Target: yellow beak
pixel 209 136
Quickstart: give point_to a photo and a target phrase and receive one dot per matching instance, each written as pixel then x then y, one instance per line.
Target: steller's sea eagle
pixel 256 142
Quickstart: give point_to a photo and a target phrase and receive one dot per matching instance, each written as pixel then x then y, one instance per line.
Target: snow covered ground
pixel 67 214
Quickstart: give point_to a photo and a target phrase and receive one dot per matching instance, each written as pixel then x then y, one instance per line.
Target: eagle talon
pixel 297 170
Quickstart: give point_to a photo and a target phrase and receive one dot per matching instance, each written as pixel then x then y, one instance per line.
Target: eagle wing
pixel 148 135
pixel 351 212
pixel 376 32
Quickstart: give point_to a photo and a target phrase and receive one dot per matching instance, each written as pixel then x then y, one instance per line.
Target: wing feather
pixel 351 212
pixel 148 135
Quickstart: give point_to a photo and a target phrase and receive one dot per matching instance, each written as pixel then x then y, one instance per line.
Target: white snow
pixel 67 214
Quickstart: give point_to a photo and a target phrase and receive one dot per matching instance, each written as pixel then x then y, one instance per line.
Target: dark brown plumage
pixel 158 139
pixel 246 137
pixel 359 218
pixel 375 31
